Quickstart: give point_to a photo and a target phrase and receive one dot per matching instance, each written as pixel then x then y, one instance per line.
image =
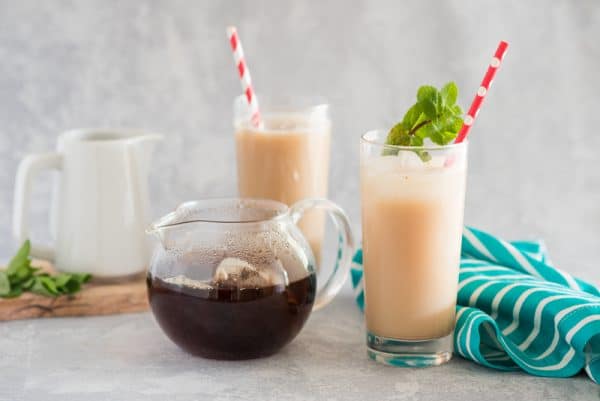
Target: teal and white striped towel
pixel 516 311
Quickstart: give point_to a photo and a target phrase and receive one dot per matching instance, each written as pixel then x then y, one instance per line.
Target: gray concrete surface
pixel 128 358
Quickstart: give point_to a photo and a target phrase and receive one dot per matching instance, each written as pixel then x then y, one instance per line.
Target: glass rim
pixel 287 104
pixel 172 219
pixel 371 141
pixel 107 135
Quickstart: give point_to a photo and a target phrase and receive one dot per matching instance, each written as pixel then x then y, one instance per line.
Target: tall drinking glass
pixel 412 219
pixel 287 158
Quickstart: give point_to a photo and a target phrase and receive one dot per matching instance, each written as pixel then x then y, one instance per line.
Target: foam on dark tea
pixel 255 301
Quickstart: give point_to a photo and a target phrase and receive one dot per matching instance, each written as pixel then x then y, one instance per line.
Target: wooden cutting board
pixel 96 298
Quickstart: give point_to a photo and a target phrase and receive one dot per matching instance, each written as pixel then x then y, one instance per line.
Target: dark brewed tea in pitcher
pixel 223 321
pixel 235 278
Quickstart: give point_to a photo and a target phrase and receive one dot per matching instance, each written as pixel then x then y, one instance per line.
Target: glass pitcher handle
pixel 334 282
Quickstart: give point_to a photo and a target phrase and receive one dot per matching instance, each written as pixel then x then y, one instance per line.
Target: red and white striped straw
pixel 486 83
pixel 244 73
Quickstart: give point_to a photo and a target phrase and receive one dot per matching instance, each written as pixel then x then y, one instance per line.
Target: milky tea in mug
pixel 286 158
pixel 412 219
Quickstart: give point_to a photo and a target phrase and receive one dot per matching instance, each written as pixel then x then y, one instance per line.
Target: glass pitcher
pixel 236 278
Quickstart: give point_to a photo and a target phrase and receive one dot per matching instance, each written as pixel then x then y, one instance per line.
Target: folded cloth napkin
pixel 516 311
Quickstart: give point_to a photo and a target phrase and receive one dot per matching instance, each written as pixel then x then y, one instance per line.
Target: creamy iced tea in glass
pixel 287 157
pixel 412 218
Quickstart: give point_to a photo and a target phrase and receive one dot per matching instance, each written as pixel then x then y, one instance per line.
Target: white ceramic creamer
pixel 100 203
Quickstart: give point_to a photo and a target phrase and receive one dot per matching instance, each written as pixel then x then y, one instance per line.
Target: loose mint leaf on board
pixel 15 291
pixel 20 259
pixel 82 278
pixel 4 284
pixel 20 276
pixel 22 273
pixel 70 287
pixel 38 287
pixel 62 279
pixel 28 283
pixel 70 283
pixel 50 285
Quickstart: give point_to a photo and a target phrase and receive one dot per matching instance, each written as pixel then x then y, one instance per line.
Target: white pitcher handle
pixel 29 167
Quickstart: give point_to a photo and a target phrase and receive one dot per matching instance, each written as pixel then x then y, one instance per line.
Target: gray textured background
pixel 166 66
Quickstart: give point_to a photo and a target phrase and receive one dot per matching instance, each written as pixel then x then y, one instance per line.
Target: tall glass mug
pixel 412 219
pixel 287 158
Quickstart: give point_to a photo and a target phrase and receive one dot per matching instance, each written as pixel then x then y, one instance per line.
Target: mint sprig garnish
pixel 435 116
pixel 20 276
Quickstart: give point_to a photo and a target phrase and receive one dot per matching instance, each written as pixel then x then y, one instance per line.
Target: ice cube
pixel 436 162
pixel 378 166
pixel 183 281
pixel 239 273
pixel 409 159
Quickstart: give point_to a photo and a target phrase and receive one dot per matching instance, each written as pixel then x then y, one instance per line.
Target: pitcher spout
pixel 146 138
pixel 144 145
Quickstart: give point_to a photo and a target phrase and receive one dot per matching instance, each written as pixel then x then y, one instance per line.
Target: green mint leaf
pixel 450 123
pixel 14 292
pixel 396 134
pixel 456 110
pixel 69 283
pixel 442 137
pixel 20 259
pixel 81 278
pixel 38 288
pixel 50 285
pixel 426 131
pixel 426 92
pixel 41 287
pixel 437 138
pixel 429 107
pixel 62 279
pixel 4 284
pixel 435 117
pixel 413 116
pixel 448 137
pixel 449 93
pixel 416 141
pixel 28 283
pixel 429 100
pixel 23 273
pixel 20 276
pixel 71 287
